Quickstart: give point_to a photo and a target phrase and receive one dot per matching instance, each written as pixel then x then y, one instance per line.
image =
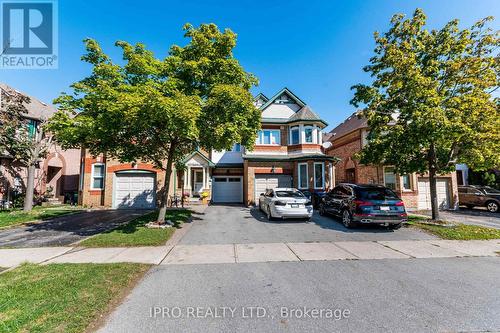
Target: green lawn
pixel 136 234
pixel 62 297
pixel 460 231
pixel 9 218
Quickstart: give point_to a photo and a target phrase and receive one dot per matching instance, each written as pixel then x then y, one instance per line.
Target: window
pixel 294 136
pixel 32 128
pixel 97 176
pixel 389 178
pixel 268 137
pixel 303 183
pixel 406 182
pixel 289 194
pixel 319 175
pixel 236 147
pixel 350 175
pixel 375 194
pixel 308 131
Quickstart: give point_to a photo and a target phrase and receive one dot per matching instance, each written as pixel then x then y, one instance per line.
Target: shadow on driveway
pixel 66 229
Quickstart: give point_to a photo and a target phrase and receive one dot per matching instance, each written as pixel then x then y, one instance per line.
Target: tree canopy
pixel 431 102
pixel 158 110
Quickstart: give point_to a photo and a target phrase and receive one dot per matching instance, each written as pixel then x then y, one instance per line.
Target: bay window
pixel 319 175
pixel 268 137
pixel 295 136
pixel 303 180
pixel 308 134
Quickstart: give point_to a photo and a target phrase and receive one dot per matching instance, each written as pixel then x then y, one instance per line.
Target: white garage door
pixel 134 191
pixel 265 182
pixel 227 189
pixel 424 194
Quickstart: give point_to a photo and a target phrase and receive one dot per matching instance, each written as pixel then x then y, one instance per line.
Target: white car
pixel 285 202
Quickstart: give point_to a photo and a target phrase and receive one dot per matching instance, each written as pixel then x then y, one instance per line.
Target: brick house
pixel 349 137
pixel 288 153
pixel 59 170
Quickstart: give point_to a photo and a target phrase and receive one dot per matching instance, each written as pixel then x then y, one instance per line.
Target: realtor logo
pixel 29 34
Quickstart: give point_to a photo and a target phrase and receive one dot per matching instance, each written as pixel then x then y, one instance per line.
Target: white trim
pixel 322 175
pixel 331 175
pixel 92 176
pixel 299 174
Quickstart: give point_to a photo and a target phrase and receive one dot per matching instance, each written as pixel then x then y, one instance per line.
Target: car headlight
pixel 308 203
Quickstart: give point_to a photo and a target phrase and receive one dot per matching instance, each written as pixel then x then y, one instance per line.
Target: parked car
pixel 364 204
pixel 479 196
pixel 285 203
pixel 315 197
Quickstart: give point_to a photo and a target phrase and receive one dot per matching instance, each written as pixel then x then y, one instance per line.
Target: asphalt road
pixel 238 224
pixel 66 229
pixel 390 295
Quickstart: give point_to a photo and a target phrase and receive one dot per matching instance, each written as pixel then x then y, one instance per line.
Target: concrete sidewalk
pixel 260 252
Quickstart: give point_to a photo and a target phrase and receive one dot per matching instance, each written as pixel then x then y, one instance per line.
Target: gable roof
pixel 36 109
pixel 289 93
pixel 352 123
pixel 262 97
pixel 197 152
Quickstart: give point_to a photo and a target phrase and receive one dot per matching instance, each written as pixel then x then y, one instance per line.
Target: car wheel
pixel 395 226
pixel 322 211
pixel 347 219
pixel 269 215
pixel 492 206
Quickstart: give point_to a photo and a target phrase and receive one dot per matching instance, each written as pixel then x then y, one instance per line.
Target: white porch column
pixel 189 178
pixel 204 177
pixel 185 179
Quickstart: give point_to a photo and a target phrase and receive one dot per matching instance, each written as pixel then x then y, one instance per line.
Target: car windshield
pixel 491 190
pixel 376 194
pixel 289 194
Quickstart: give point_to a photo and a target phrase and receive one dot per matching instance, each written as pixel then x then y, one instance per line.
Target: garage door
pixel 424 194
pixel 227 189
pixel 265 182
pixel 134 191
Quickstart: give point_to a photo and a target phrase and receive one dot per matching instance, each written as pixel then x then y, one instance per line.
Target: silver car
pixel 285 203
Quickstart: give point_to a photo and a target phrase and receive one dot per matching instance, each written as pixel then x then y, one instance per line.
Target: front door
pixel 198 181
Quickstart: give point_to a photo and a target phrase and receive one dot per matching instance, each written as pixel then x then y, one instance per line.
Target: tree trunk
pixel 433 183
pixel 30 189
pixel 164 196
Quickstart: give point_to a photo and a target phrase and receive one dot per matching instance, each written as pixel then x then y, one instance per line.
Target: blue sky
pixel 315 48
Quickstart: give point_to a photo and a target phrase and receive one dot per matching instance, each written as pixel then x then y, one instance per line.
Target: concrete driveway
pixel 67 229
pixel 476 216
pixel 238 224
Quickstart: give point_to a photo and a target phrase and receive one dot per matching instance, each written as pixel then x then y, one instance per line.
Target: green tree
pixel 430 104
pixel 22 139
pixel 158 110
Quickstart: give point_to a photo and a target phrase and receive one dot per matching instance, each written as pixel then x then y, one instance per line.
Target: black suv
pixel 364 204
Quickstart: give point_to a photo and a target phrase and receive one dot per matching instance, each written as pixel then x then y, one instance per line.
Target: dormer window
pixel 308 131
pixel 294 135
pixel 283 99
pixel 236 148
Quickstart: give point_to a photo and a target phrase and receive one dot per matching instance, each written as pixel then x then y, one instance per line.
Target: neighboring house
pixel 350 137
pixel 59 170
pixel 287 153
